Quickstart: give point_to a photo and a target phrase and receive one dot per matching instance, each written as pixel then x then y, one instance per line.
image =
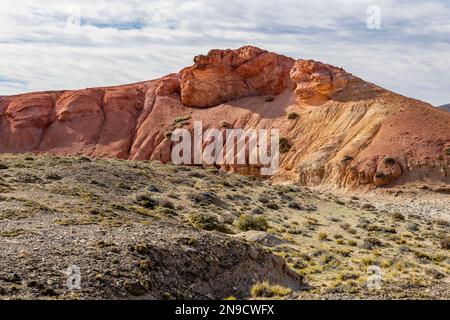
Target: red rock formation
pixel 347 132
pixel 225 75
pixel 317 82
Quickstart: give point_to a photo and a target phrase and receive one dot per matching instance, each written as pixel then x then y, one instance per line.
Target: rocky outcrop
pixel 317 82
pixel 225 75
pixel 341 130
pixel 387 171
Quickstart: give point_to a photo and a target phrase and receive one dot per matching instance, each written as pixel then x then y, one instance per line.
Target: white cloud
pixel 125 41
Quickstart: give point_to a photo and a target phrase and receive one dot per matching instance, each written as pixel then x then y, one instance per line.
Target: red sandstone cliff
pixel 343 130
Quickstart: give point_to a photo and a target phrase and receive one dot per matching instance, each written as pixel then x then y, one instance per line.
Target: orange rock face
pixel 225 75
pixel 317 82
pixel 345 132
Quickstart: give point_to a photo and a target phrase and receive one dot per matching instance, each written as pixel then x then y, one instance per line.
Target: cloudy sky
pixel 47 45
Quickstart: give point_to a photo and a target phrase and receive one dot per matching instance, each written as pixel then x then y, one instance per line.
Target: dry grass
pixel 331 241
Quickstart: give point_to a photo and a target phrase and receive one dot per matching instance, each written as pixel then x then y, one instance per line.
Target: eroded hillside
pixel 339 130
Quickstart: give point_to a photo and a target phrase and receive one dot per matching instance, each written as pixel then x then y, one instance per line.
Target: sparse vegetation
pixel 224 125
pixel 146 201
pixel 181 119
pixel 390 161
pixel 322 236
pixel 398 216
pixel 293 116
pixel 248 222
pixel 205 221
pixel 371 243
pixel 267 290
pixel 347 159
pixel 295 206
pixel 166 203
pixel 270 99
pixel 161 216
pixel 285 145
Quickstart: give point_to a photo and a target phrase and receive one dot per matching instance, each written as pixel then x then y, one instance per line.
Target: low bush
pixel 146 201
pixel 322 236
pixel 205 221
pixel 247 222
pixel 293 116
pixel 285 145
pixel 267 290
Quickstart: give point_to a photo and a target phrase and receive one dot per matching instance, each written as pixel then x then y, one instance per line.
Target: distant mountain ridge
pixel 445 107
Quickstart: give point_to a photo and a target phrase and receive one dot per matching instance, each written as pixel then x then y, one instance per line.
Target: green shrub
pixel 293 116
pixel 266 290
pixel 285 145
pixel 398 216
pixel 257 211
pixel 345 276
pixel 389 161
pixel 370 243
pixel 224 124
pixel 205 221
pixel 146 201
pixel 165 203
pixel 347 159
pixel 270 99
pixel 181 119
pixel 273 206
pixel 247 222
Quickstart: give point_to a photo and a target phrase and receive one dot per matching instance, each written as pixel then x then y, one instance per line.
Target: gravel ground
pixel 143 230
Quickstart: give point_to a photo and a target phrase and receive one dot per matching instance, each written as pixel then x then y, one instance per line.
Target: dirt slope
pixel 341 130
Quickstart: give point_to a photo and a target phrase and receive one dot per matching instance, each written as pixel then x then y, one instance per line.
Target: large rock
pixel 317 82
pixel 23 122
pixel 225 75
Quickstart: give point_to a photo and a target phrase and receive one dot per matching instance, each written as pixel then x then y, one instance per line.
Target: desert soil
pixel 144 230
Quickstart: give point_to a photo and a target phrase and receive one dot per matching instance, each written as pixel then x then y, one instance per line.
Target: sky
pixel 401 45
